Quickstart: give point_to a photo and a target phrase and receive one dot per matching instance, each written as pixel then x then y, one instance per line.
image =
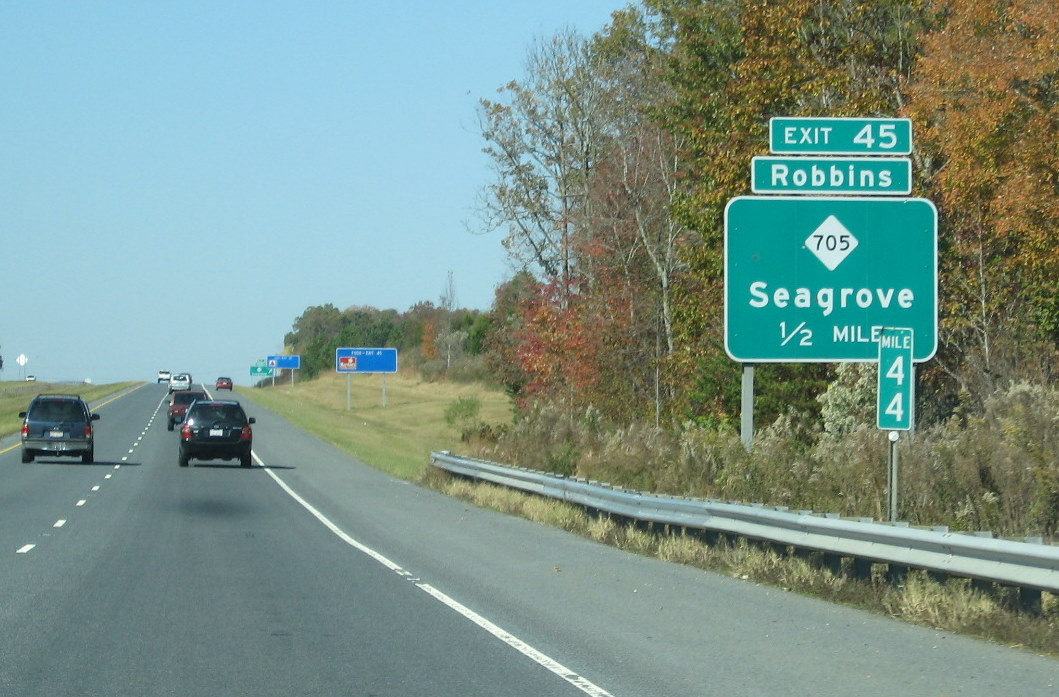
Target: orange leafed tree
pixel 985 103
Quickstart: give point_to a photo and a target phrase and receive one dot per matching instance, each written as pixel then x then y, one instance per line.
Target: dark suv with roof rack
pixel 216 430
pixel 58 425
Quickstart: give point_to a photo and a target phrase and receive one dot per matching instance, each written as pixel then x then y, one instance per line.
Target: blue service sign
pixel 366 360
pixel 284 362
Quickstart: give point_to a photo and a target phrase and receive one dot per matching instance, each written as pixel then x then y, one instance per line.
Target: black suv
pixel 216 430
pixel 58 424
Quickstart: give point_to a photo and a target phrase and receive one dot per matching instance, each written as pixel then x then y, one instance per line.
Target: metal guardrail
pixel 1030 565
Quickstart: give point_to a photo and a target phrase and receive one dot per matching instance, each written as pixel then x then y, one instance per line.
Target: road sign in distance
pixel 366 360
pixel 792 135
pixel 816 279
pixel 285 362
pixel 261 371
pixel 870 176
pixel 895 408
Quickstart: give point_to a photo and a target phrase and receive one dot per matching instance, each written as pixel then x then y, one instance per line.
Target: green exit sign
pixel 791 135
pixel 815 279
pixel 866 176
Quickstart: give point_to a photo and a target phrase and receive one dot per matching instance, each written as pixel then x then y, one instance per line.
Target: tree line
pixel 613 158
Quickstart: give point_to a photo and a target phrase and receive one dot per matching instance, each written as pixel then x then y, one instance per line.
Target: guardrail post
pixel 896 574
pixel 862 569
pixel 1030 601
pixel 982 586
pixel 938 577
pixel 833 563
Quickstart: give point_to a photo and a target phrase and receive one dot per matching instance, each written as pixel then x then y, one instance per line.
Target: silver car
pixel 180 381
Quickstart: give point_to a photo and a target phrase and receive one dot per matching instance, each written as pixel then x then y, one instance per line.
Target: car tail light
pixel 25 429
pixel 185 431
pixel 88 430
pixel 247 434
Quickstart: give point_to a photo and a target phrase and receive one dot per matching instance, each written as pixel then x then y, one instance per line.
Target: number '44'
pixel 897 373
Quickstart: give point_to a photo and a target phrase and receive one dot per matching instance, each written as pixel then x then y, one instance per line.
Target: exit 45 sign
pixel 795 135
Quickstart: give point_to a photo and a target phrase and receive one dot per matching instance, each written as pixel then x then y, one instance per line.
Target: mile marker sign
pixel 896 394
pixel 816 279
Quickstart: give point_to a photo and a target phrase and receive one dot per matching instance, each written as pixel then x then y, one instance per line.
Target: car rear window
pixel 187 397
pixel 58 410
pixel 210 413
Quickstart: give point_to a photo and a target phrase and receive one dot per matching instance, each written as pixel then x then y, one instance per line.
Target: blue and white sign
pixel 366 360
pixel 284 362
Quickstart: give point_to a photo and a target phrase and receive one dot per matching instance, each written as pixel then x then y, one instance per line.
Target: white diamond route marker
pixel 831 242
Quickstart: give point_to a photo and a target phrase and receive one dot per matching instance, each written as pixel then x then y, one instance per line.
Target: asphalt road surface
pixel 312 574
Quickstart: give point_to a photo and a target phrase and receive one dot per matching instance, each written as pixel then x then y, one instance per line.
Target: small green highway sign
pixel 261 371
pixel 815 279
pixel 868 176
pixel 796 135
pixel 896 379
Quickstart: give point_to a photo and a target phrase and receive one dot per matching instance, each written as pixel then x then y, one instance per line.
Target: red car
pixel 224 383
pixel 179 402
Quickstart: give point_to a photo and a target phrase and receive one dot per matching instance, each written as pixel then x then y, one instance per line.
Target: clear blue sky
pixel 180 180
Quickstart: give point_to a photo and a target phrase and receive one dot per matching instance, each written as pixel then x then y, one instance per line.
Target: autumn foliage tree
pixel 985 101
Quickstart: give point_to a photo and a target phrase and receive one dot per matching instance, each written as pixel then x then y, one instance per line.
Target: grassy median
pixel 16 396
pixel 418 416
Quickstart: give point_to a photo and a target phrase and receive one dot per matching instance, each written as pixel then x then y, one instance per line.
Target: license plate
pixel 56 434
pixel 216 432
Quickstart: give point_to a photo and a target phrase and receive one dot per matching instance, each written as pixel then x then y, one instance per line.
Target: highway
pixel 313 574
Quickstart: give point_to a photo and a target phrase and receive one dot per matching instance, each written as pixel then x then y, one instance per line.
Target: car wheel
pixel 27 455
pixel 88 457
pixel 169 425
pixel 245 460
pixel 184 459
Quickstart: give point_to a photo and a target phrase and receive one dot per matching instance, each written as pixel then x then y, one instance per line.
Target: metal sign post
pixel 892 478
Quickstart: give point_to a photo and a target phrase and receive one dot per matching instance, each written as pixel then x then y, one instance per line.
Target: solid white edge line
pixel 581 683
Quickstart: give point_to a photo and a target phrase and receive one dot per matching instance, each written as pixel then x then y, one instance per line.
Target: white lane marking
pixel 95 488
pixel 59 523
pixel 82 502
pixel 24 549
pixel 117 467
pixel 107 476
pixel 581 683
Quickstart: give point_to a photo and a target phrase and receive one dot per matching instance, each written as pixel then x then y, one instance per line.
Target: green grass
pixel 16 396
pixel 396 438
